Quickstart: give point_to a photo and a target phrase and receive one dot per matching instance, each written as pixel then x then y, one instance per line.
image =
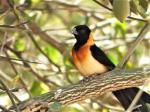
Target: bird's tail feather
pixel 126 96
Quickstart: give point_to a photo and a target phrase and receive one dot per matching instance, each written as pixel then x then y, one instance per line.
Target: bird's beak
pixel 74 31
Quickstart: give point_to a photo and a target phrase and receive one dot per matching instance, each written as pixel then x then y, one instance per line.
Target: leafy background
pixel 36 40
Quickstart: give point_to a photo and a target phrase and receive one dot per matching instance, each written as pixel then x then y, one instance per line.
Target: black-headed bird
pixel 90 59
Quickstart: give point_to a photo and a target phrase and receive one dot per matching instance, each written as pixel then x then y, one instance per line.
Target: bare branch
pixel 39 48
pixel 135 100
pixel 35 73
pixel 47 38
pixel 17 73
pixel 14 59
pixel 10 96
pixel 4 109
pixel 95 86
pixel 140 37
pixel 138 19
pixel 12 90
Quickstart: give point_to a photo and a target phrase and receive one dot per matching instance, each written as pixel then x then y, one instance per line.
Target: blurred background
pixel 36 41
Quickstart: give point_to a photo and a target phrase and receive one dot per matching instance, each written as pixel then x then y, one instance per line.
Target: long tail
pixel 126 96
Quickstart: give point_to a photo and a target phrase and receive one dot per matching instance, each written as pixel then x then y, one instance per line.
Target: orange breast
pixel 86 63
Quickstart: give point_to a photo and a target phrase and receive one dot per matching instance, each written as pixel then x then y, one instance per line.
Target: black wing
pixel 125 96
pixel 101 57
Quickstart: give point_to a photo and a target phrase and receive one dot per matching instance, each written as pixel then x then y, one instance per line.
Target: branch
pixel 4 109
pixel 47 38
pixel 75 7
pixel 9 93
pixel 39 48
pixel 140 37
pixel 138 19
pixel 93 87
pixel 16 73
pixel 3 91
pixel 30 68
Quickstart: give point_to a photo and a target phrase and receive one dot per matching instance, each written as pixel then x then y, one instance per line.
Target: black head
pixel 81 33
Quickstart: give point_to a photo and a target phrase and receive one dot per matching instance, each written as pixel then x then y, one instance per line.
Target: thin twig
pixel 4 42
pixel 38 47
pixel 10 96
pixel 99 3
pixel 17 73
pixel 27 65
pixel 13 67
pixel 74 7
pixel 138 19
pixel 12 90
pixel 14 11
pixel 5 76
pixel 4 109
pixel 33 62
pixel 135 100
pixel 37 75
pixel 47 38
pixel 140 37
pixel 19 26
pixel 122 63
pixel 113 108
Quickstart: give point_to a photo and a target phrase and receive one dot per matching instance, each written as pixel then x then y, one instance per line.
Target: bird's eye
pixel 74 31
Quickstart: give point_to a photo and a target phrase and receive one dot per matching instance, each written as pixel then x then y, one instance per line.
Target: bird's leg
pixel 88 78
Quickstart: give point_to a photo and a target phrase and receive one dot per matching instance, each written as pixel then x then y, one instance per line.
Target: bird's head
pixel 81 33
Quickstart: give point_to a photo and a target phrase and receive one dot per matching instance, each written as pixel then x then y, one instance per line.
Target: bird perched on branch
pixel 89 60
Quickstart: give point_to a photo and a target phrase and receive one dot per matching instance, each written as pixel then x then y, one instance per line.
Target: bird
pixel 90 59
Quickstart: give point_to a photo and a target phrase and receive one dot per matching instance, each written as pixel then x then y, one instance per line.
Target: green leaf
pixel 121 9
pixel 53 54
pixel 113 58
pixel 20 45
pixel 38 88
pixel 67 63
pixel 120 29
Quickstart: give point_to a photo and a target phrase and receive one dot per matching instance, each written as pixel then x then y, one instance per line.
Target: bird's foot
pixel 87 78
